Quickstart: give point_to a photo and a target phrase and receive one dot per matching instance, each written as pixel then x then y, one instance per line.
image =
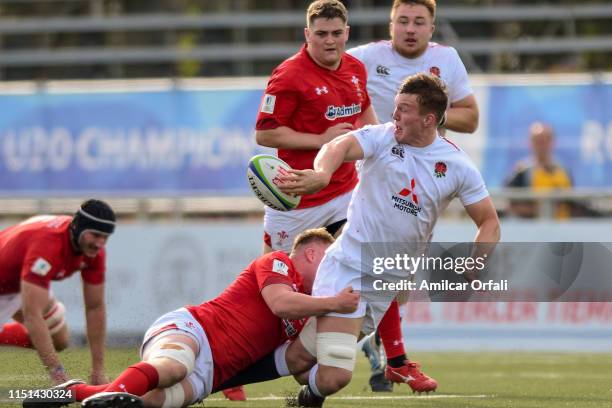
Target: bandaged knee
pixel 175 350
pixel 337 350
pixel 174 396
pixel 55 317
pixel 308 336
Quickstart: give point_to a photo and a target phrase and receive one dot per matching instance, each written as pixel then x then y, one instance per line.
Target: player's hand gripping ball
pixel 262 175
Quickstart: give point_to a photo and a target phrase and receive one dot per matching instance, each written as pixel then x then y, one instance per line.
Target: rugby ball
pixel 262 175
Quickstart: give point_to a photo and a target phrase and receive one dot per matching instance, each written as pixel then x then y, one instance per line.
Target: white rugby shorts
pixel 201 379
pixel 284 226
pixel 333 276
pixel 9 305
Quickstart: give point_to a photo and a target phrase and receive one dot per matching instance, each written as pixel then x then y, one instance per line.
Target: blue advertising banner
pixel 164 142
pixel 581 116
pixel 198 141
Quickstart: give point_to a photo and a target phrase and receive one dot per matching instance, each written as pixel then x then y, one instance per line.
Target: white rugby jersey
pixel 402 191
pixel 387 69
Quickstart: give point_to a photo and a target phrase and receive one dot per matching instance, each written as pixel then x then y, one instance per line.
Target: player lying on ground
pixel 188 353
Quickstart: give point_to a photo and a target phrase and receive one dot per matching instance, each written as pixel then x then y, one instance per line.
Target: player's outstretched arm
pixel 345 148
pixel 34 300
pixel 287 304
pixel 284 137
pixel 462 116
pixel 95 316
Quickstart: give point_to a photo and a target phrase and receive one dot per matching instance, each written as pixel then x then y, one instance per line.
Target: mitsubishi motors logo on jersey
pixel 407 200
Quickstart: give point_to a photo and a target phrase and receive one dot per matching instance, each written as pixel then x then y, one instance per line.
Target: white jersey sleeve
pixel 358 52
pixel 473 188
pixel 458 83
pixel 373 138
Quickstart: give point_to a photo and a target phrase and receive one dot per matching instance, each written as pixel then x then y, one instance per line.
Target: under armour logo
pixel 122 386
pixel 382 70
pixel 322 90
pixel 355 80
pixel 410 191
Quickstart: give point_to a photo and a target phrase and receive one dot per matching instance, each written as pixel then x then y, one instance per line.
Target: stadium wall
pixel 155 268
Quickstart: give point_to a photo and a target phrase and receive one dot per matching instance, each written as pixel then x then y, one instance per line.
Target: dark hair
pixel 430 91
pixel 328 9
pixel 429 4
pixel 312 235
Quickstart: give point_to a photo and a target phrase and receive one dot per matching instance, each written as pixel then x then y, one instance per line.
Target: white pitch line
pixel 365 398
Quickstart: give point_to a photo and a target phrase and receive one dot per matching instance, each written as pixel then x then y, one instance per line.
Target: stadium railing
pixel 245 49
pixel 598 201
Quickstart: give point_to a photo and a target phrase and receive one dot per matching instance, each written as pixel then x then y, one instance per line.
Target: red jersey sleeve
pixel 280 101
pixel 273 269
pixel 41 262
pixel 93 273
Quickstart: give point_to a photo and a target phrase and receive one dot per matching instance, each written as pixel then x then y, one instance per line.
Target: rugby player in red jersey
pixel 311 98
pixel 190 352
pixel 48 248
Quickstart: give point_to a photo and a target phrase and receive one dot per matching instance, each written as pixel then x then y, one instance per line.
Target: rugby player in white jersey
pixel 410 51
pixel 405 161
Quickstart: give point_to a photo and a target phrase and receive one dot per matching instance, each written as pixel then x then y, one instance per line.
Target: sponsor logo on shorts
pixel 290 329
pixel 282 236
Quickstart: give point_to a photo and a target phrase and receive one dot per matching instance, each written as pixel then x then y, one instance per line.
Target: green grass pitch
pixel 487 380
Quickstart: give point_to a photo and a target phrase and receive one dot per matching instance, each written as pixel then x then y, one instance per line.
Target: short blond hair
pixel 429 5
pixel 320 235
pixel 328 9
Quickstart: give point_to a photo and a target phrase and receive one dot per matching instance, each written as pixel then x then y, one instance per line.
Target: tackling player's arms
pixel 288 304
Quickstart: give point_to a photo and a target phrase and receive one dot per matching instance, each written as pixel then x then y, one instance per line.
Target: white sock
pixel 280 360
pixel 312 383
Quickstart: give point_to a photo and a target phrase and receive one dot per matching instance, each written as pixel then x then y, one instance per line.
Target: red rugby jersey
pixel 309 98
pixel 240 327
pixel 38 250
